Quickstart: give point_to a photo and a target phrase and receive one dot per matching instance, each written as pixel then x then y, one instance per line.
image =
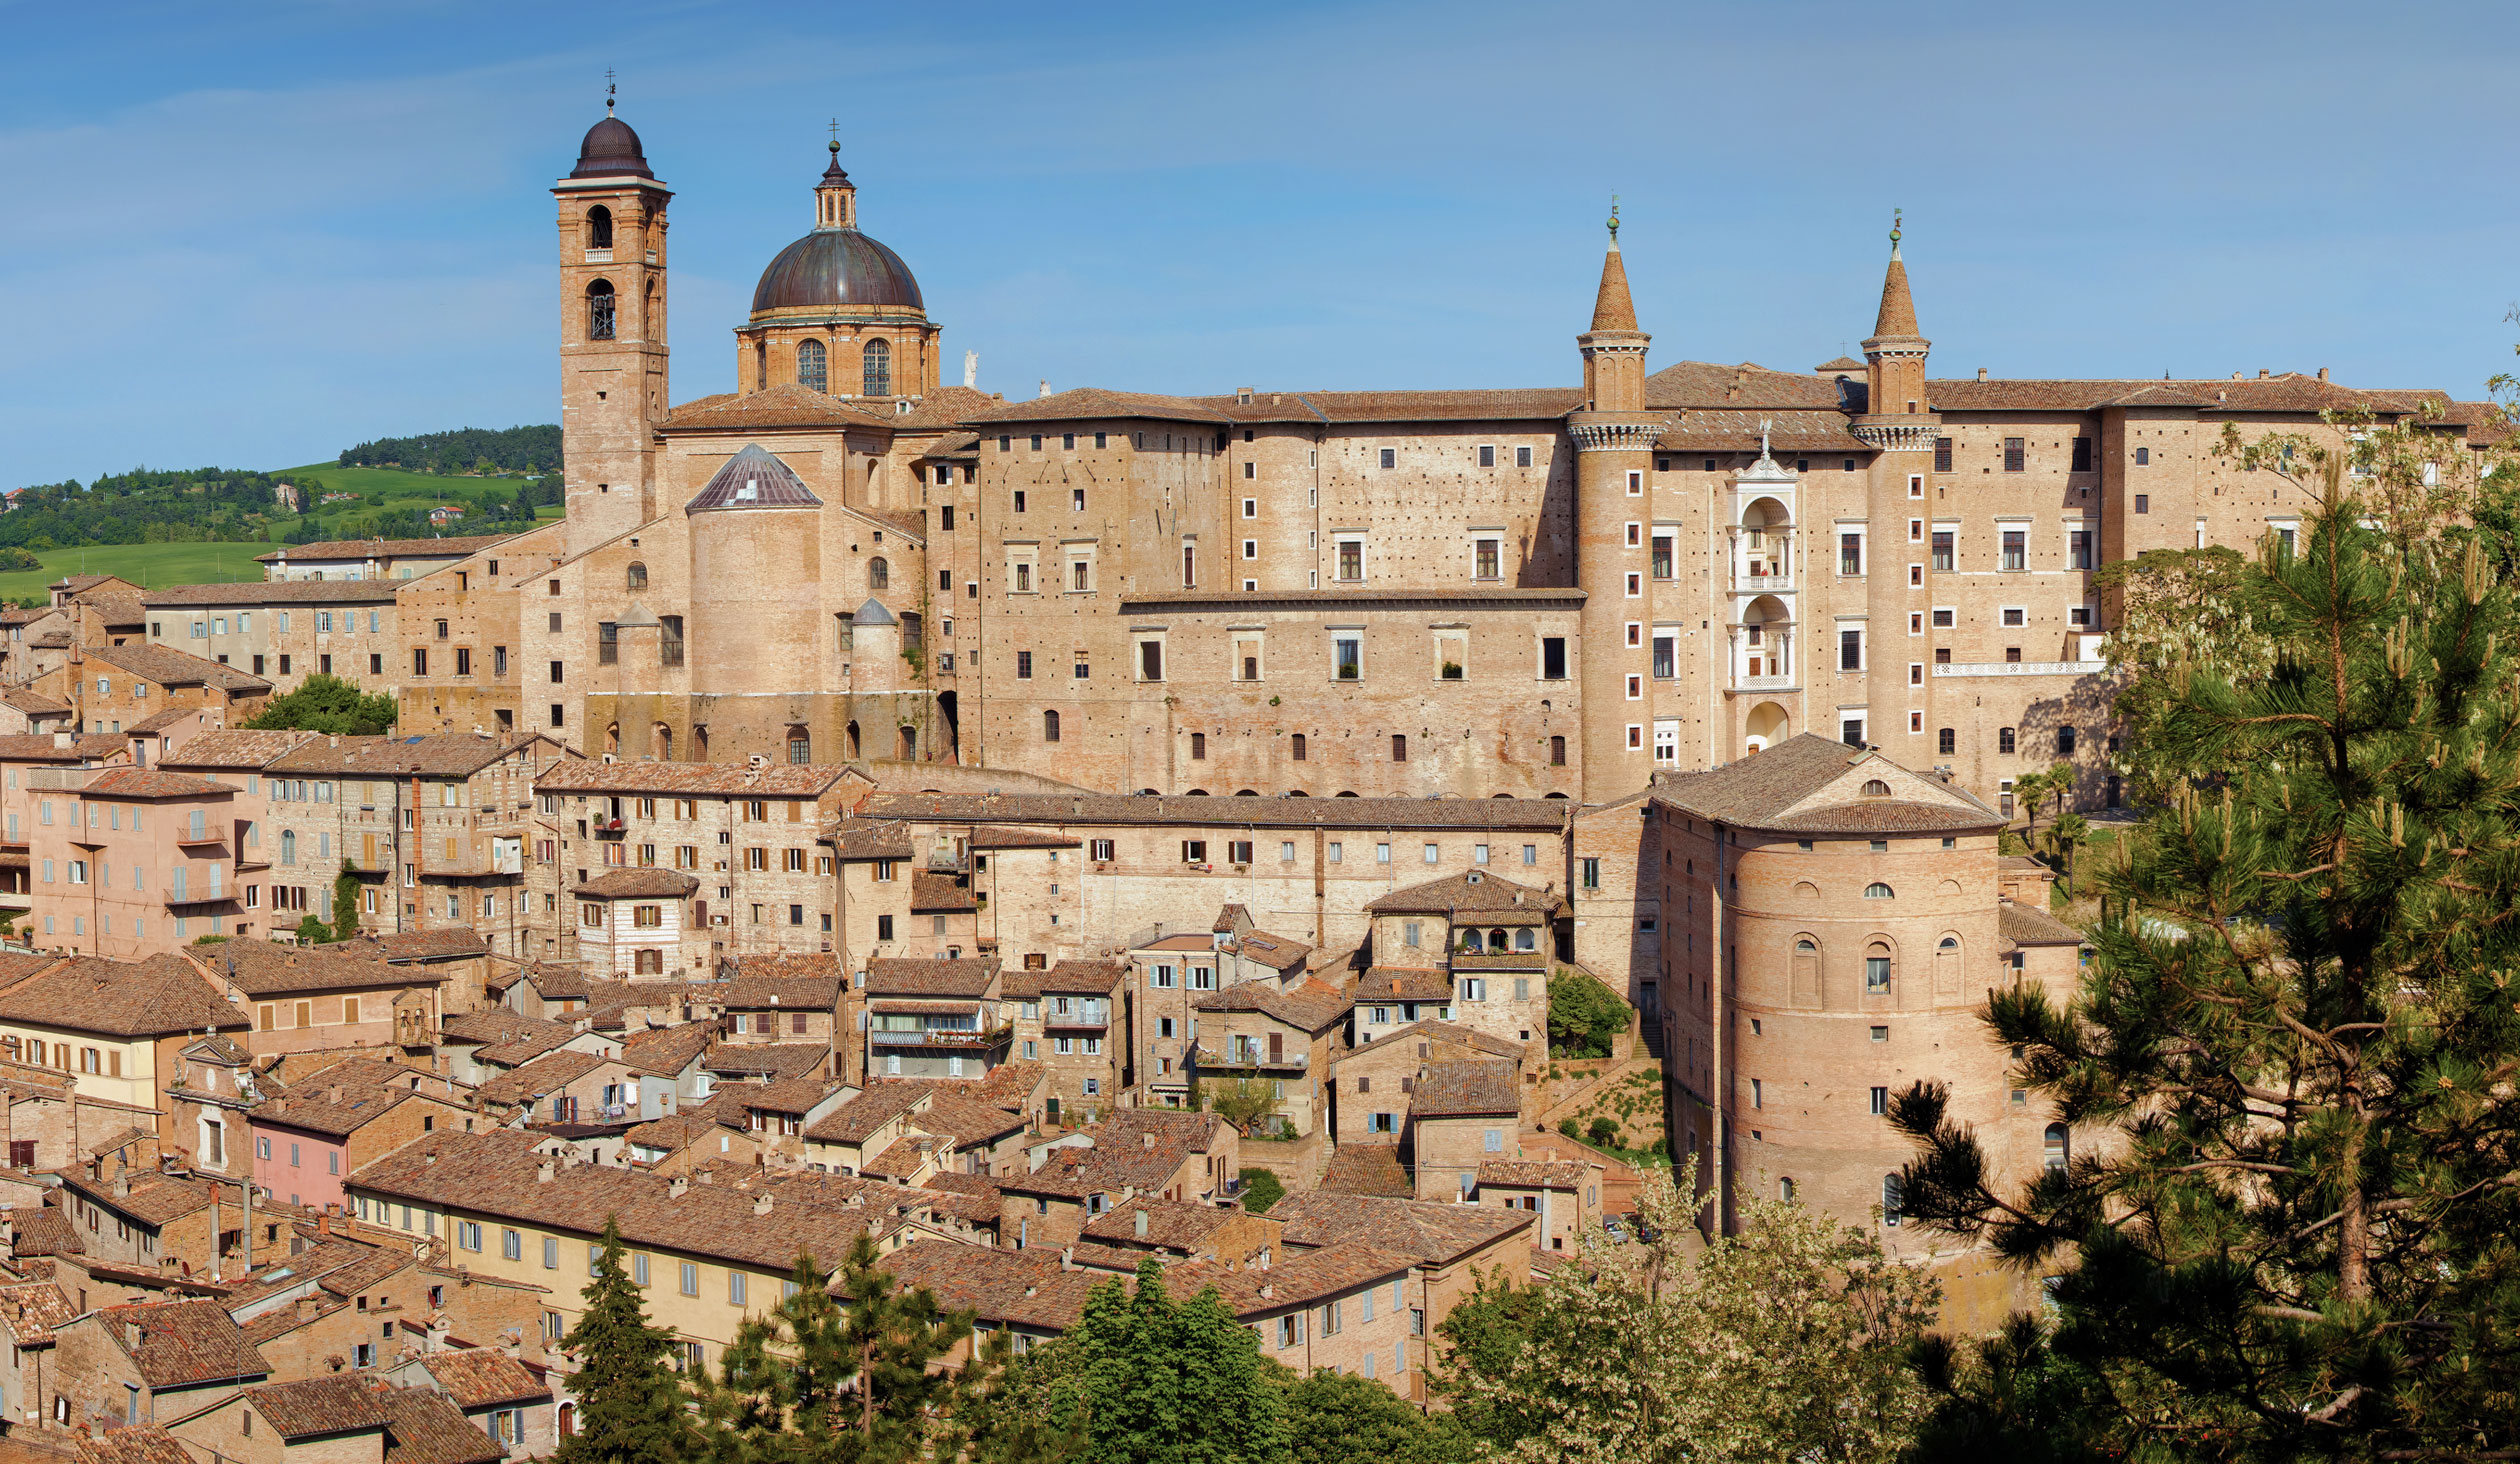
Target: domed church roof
pixel 611 150
pixel 836 268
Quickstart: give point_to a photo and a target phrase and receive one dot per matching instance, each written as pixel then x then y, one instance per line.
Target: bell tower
pixel 1900 424
pixel 1614 439
pixel 614 388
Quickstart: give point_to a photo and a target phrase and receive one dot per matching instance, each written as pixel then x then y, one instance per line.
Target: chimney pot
pixel 543 1174
pixel 1981 373
pixel 2323 373
pixel 1067 1258
pixel 1141 1222
pixel 761 1203
pixel 2263 373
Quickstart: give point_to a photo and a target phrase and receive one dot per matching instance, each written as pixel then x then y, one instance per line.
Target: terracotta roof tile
pixel 311 1407
pixel 778 780
pixel 424 1427
pixel 1466 1088
pixel 940 894
pixel 1563 1174
pixel 33 1309
pixel 637 884
pixel 275 592
pixel 145 1444
pixel 185 1344
pixel 991 836
pixel 665 1052
pixel 445 755
pixel 776 1059
pixel 446 942
pixel 1307 1278
pixel 1309 1007
pixel 544 1075
pixel 1768 790
pixel 234 747
pixel 1367 1169
pixel 1061 809
pixel 938 976
pixel 155 783
pixel 2024 925
pixel 477 1377
pixel 1492 899
pixel 1435 1234
pixel 1440 1039
pixel 859 1119
pixel 1170 1224
pixel 1095 402
pixel 970 1122
pixel 1401 984
pixel 161 996
pixel 1025 1288
pixel 262 968
pixel 169 667
pixel 1099 978
pixel 784 405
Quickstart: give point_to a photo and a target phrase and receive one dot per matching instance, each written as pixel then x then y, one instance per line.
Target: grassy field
pixel 400 489
pixel 151 566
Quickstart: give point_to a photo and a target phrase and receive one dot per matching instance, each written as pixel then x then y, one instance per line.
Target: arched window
pixel 599 227
pixel 288 846
pixel 637 575
pixel 813 371
pixel 661 741
pixel 1523 940
pixel 2059 1147
pixel 1877 891
pixel 599 311
pixel 850 734
pixel 1950 943
pixel 1805 948
pixel 612 738
pixel 1877 969
pixel 1875 788
pixel 907 744
pixel 1496 941
pixel 800 746
pixel 1785 1190
pixel 1890 1196
pixel 878 574
pixel 877 376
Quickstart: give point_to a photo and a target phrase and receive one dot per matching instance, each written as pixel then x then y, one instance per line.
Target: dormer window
pixel 1876 788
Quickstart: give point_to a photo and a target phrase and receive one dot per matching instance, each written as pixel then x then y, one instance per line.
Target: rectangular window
pixel 2143 503
pixel 1351 559
pixel 2015 459
pixel 1943 559
pixel 1850 554
pixel 2016 549
pixel 2082 455
pixel 1850 650
pixel 1942 454
pixel 1347 655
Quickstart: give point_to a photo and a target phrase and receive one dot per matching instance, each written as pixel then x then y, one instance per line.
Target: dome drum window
pixel 812 368
pixel 877 375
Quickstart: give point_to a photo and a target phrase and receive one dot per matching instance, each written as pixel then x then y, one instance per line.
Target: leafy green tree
pixel 1340 1418
pixel 1585 1016
pixel 1602 1132
pixel 1784 1342
pixel 2177 614
pixel 2292 1226
pixel 311 931
pixel 324 703
pixel 631 1406
pixel 1143 1378
pixel 824 1379
pixel 1484 1334
pixel 1246 1103
pixel 1261 1189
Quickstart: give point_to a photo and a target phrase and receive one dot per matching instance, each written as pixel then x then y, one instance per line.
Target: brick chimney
pixel 761 1203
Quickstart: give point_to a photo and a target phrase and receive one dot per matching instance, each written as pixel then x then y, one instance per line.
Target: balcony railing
pixel 940 1037
pixel 2022 668
pixel 1094 1021
pixel 1248 1057
pixel 1763 582
pixel 1764 683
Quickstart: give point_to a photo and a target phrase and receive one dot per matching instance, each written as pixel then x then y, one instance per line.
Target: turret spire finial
pixel 608 91
pixel 1896 215
pixel 1614 221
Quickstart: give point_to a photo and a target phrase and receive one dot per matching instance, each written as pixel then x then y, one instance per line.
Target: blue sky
pixel 254 234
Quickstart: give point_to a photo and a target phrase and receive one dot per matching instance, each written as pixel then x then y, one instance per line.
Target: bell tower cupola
pixel 835 197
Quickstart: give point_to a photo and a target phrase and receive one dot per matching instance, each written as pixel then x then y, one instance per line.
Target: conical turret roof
pixel 1612 308
pixel 1898 308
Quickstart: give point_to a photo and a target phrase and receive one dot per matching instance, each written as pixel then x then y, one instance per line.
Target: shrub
pixel 1261 1189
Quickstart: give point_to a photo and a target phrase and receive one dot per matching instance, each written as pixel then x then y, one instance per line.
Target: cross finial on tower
pixel 608 91
pixel 835 137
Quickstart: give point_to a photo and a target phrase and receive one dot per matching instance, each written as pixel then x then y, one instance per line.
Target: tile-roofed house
pixel 787 404
pixel 426 1427
pixel 235 749
pixel 1368 1169
pixel 180 1344
pixel 2025 925
pixel 1060 809
pixel 861 1118
pixel 444 942
pixel 1491 899
pixel 1095 402
pixel 1467 1088
pixel 169 667
pixel 1401 985
pixel 766 1059
pixel 936 976
pixel 142 1444
pixel 1074 975
pixel 1303 1279
pixel 32 1309
pixel 272 592
pixel 667 1052
pixel 443 755
pixel 1312 1006
pixel 943 894
pixel 1434 1234
pixel 637 884
pixel 476 1377
pixel 541 1077
pixel 262 968
pixel 777 780
pixel 1176 1226
pixel 311 1407
pixel 1441 1040
pixel 1028 1292
pixel 160 996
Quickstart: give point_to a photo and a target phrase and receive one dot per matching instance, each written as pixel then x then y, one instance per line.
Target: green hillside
pixel 153 566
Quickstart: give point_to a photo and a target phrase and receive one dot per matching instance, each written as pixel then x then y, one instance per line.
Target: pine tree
pixel 631 1408
pixel 2294 1064
pixel 1143 1379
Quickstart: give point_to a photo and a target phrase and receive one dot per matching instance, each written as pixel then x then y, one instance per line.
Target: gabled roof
pixel 1432 1037
pixel 159 997
pixel 477 1377
pixel 1467 1088
pixel 784 405
pixel 637 884
pixel 1435 1234
pixel 936 976
pixel 1309 1007
pixel 262 968
pixel 426 1427
pixel 184 1344
pixel 1474 892
pixel 1367 1169
pixel 169 667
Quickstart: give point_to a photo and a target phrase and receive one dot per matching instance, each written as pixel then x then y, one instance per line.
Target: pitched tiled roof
pixel 264 968
pixel 1170 1224
pixel 1746 385
pixel 637 884
pixel 447 755
pixel 1473 893
pixel 340 1100
pixel 991 836
pixel 446 942
pixel 158 997
pixel 1058 809
pixel 1094 401
pixel 154 1196
pixel 1025 1288
pixel 309 1407
pixel 185 1343
pixel 938 976
pixel 276 592
pixel 779 1095
pixel 547 1074
pixel 665 1051
pixel 1436 1234
pixel 32 1309
pixel 969 1122
pixel 1310 1006
pixel 784 405
pixel 497 1026
pixel 144 1444
pixel 932 893
pixel 943 407
pixel 457 547
pixel 1767 790
pixel 805 993
pixel 1120 1156
pixel 155 783
pixel 781 966
pixel 1534 1173
pixel 1306 1278
pixel 234 747
pixel 857 1120
pixel 425 1427
pixel 477 1377
pixel 856 840
pixel 169 667
pixel 1277 952
pixel 42 747
pixel 1400 983
pixel 1467 1088
pixel 776 1059
pixel 1367 1169
pixel 497 1173
pixel 1787 433
pixel 1434 1038
pixel 1095 977
pixel 2023 925
pixel 32 702
pixel 45 1232
pixel 778 780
